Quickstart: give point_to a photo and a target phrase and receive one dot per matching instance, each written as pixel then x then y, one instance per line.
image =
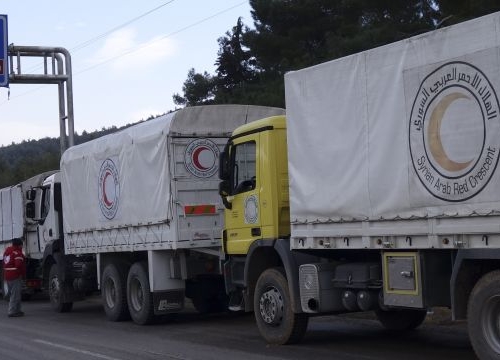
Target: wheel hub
pixel 110 289
pixel 137 295
pixel 271 306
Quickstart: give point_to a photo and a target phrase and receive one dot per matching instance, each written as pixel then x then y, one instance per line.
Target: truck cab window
pixel 244 167
pixel 45 203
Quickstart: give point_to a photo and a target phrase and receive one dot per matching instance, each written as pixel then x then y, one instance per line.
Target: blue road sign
pixel 4 72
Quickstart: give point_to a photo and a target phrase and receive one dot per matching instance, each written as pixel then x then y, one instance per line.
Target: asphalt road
pixel 86 334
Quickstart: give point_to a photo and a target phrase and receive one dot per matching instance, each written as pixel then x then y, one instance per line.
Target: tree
pixel 198 89
pixel 454 11
pixel 233 74
pixel 376 23
pixel 5 174
pixel 234 62
pixel 293 34
pixel 288 34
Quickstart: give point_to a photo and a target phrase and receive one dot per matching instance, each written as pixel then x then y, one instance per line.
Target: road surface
pixel 86 334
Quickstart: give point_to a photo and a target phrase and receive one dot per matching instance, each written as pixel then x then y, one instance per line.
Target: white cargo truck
pixel 15 223
pixel 392 190
pixel 136 214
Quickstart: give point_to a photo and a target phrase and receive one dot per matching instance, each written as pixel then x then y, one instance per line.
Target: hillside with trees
pixel 19 162
pixel 286 35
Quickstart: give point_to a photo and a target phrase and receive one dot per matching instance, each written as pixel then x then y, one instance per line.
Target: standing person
pixel 14 270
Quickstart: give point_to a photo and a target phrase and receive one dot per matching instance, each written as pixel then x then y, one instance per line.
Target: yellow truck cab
pixel 260 271
pixel 258 185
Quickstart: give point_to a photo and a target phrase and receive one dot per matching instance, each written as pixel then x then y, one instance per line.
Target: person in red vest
pixel 14 270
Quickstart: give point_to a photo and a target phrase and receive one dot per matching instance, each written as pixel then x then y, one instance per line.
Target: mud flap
pixel 168 302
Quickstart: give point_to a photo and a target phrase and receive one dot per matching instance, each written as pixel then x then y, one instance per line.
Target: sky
pixel 128 58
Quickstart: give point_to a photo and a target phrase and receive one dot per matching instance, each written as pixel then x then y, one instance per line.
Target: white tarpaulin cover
pixel 6 206
pixel 411 129
pixel 12 209
pixel 126 179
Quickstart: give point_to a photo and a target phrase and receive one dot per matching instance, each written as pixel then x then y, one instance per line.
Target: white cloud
pixel 126 53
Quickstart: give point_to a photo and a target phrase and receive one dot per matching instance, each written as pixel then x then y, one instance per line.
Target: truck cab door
pixel 243 223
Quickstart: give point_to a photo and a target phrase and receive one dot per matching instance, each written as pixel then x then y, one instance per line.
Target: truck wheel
pixel 483 312
pixel 140 299
pixel 56 291
pixel 401 320
pixel 277 322
pixel 114 292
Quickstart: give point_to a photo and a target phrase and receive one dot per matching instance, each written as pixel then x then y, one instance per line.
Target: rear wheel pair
pixel 125 295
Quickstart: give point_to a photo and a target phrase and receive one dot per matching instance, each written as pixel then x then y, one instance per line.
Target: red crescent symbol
pixel 105 197
pixel 196 157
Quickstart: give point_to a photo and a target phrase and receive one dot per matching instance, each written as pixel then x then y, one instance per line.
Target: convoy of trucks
pixel 135 214
pixel 378 191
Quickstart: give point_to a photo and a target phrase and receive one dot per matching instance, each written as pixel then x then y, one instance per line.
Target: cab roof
pixel 275 122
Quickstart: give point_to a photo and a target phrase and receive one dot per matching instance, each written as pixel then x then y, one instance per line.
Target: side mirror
pixel 223 166
pixel 224 193
pixel 224 188
pixel 30 210
pixel 30 194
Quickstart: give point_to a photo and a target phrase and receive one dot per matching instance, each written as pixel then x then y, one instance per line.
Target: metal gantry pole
pixel 61 74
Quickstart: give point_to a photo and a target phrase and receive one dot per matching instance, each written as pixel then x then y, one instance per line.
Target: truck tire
pixel 56 291
pixel 483 312
pixel 139 297
pixel 401 320
pixel 114 292
pixel 277 322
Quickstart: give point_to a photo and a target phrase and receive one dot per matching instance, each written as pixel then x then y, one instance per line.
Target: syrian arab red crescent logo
pixel 109 189
pixel 201 158
pixel 454 131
